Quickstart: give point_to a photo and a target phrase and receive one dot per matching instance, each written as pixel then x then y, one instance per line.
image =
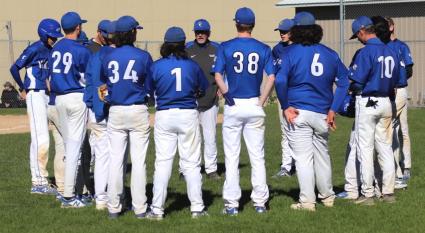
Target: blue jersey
pixel 378 69
pixel 67 65
pixel 243 61
pixel 34 59
pixel 306 77
pixel 401 48
pixel 125 70
pixel 277 52
pixel 176 83
pixel 93 74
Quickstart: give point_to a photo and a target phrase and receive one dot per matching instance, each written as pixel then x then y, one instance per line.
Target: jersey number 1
pixel 178 73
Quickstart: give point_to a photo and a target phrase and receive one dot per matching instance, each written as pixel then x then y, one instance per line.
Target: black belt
pixel 34 90
pixel 376 96
pixel 174 108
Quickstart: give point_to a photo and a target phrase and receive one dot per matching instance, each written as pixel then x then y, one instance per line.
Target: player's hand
pixel 102 91
pixel 290 114
pixel 219 94
pixel 330 120
pixel 23 95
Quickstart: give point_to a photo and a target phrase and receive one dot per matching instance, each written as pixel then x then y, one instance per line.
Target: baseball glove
pixel 102 92
pixel 348 108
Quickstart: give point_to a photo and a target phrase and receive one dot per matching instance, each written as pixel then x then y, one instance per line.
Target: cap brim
pixel 354 36
pixel 139 27
pixel 276 29
pixel 56 34
pixel 83 21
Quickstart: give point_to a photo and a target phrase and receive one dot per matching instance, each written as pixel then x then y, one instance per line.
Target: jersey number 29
pixel 66 60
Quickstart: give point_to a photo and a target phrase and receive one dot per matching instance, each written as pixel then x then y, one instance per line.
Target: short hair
pixel 369 29
pixel 245 27
pixel 382 28
pixel 306 34
pixel 178 49
pixel 70 30
pixel 390 21
pixel 125 38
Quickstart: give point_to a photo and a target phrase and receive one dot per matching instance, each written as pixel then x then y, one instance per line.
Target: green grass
pixel 13 111
pixel 22 212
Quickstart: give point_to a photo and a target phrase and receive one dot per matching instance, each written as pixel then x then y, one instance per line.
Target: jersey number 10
pixel 387 66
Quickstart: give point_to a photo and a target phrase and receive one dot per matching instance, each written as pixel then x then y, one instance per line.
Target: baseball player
pixel 99 137
pixel 203 51
pixel 309 106
pixel 287 162
pixel 67 64
pixel 402 152
pixel 377 72
pixel 125 71
pixel 33 90
pixel 243 60
pixel 177 81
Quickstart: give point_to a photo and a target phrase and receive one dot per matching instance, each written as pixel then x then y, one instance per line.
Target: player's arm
pixel 269 68
pixel 358 72
pixel 202 82
pixel 218 70
pixel 89 76
pixel 281 86
pixel 342 85
pixel 149 84
pixel 408 61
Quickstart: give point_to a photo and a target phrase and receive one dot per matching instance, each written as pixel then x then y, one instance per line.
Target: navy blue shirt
pixel 67 65
pixel 378 69
pixel 243 61
pixel 125 70
pixel 306 77
pixel 176 83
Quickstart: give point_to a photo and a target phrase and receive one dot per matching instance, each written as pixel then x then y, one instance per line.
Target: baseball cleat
pixel 59 196
pixel 199 214
pixel 282 173
pixel 260 209
pixel 44 189
pixel 213 176
pixel 329 201
pixel 87 198
pixel 368 201
pixel 400 184
pixel 303 206
pixel 406 174
pixel 346 195
pixel 231 211
pixel 141 215
pixel 152 216
pixel 113 215
pixel 388 198
pixel 74 202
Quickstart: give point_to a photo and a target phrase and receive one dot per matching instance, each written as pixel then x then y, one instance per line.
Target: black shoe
pixel 213 176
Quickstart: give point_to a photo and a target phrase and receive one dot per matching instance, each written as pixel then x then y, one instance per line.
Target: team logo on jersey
pixel 23 57
pixel 354 66
pixel 192 56
pixel 212 55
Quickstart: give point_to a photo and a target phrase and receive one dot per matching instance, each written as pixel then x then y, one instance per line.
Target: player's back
pixel 244 60
pixel 403 51
pixel 125 70
pixel 384 68
pixel 67 64
pixel 312 71
pixel 34 59
pixel 176 82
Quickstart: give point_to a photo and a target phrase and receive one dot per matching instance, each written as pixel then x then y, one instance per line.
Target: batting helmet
pixel 49 28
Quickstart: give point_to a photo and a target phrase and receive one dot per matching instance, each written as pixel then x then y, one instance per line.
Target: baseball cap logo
pixel 200 24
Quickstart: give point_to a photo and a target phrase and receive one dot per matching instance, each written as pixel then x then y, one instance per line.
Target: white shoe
pixel 303 206
pixel 101 206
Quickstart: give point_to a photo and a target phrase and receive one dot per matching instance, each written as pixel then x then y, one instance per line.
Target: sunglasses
pixel 202 32
pixel 283 32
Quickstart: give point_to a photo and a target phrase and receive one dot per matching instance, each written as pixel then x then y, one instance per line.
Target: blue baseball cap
pixel 71 19
pixel 304 18
pixel 285 25
pixel 111 28
pixel 244 15
pixel 103 27
pixel 127 23
pixel 201 25
pixel 82 38
pixel 359 23
pixel 174 34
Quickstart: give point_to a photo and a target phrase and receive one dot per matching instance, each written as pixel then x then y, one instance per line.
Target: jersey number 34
pixel 128 74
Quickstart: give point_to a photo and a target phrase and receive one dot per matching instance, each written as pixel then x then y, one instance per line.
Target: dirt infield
pixel 19 123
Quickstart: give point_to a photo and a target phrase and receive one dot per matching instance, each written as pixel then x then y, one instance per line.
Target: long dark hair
pixel 306 34
pixel 177 49
pixel 125 38
pixel 382 28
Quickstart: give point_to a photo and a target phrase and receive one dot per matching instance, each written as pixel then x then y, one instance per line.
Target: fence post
pixel 10 37
pixel 341 30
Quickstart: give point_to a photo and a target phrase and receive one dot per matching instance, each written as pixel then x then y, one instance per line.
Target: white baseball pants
pixel 372 126
pixel 59 162
pixel 287 157
pixel 73 124
pixel 308 140
pixel 127 124
pixel 177 128
pixel 247 118
pixel 352 167
pixel 208 120
pixel 401 145
pixel 99 143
